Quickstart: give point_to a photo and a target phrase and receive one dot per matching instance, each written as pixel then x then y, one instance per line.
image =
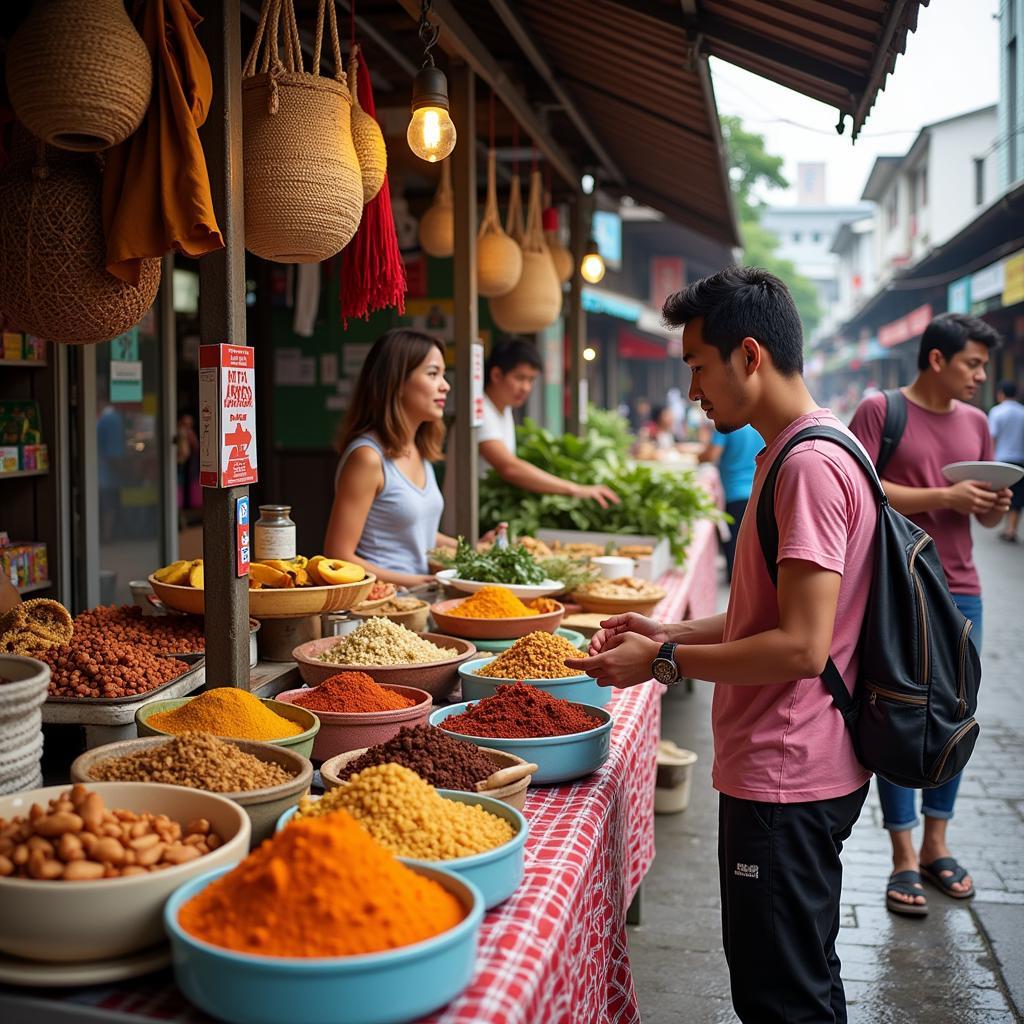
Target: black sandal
pixel 933 873
pixel 908 883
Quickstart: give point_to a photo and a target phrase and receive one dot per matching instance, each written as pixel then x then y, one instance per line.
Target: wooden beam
pixel 222 321
pixel 458 38
pixel 542 66
pixel 467 328
pixel 879 66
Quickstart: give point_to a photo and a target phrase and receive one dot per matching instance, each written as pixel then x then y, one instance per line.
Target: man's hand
pixel 972 498
pixel 1002 502
pixel 604 496
pixel 625 660
pixel 631 622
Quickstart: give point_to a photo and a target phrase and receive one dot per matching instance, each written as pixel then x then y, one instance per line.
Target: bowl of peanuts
pixel 85 870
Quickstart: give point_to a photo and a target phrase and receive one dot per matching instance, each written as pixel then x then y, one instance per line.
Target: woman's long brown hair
pixel 376 407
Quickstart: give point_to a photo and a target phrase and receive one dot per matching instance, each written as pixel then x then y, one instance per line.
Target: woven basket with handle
pixel 53 279
pixel 499 260
pixel 437 225
pixel 367 137
pixel 536 300
pixel 78 74
pixel 303 184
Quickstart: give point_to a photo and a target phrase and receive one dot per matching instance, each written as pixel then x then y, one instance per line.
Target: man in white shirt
pixel 509 374
pixel 1006 424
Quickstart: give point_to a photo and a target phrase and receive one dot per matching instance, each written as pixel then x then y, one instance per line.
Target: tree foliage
pixel 754 171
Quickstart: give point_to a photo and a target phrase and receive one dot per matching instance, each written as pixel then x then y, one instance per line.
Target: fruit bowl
pixel 493 629
pixel 266 603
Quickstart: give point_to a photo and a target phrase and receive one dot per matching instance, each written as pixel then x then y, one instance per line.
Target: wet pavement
pixel 963 963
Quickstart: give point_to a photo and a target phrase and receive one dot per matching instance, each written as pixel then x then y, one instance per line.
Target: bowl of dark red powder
pixel 564 739
pixel 355 711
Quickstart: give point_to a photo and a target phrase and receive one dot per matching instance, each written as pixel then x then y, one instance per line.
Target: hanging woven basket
pixel 367 137
pixel 53 281
pixel 78 74
pixel 560 256
pixel 437 225
pixel 303 184
pixel 499 260
pixel 536 300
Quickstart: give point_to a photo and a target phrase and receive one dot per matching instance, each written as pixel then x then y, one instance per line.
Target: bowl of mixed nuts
pixel 85 870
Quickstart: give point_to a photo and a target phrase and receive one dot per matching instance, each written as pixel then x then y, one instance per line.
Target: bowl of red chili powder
pixel 355 711
pixel 564 739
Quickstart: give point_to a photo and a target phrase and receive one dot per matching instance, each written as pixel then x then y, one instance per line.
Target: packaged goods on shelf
pixel 24 562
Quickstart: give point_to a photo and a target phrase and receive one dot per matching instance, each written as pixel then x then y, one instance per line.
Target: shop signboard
pixel 906 327
pixel 987 288
pixel 1013 279
pixel 668 276
pixel 227 416
pixel 125 368
pixel 958 296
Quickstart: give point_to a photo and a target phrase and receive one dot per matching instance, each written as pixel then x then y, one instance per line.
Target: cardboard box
pixel 13 346
pixel 227 416
pixel 648 568
pixel 35 349
pixel 24 563
pixel 10 459
pixel 20 422
pixel 35 456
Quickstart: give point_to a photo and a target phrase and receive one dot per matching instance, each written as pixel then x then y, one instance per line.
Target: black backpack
pixel 911 716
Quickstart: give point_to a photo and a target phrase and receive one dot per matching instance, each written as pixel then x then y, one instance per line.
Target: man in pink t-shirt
pixel 941 428
pixel 790 785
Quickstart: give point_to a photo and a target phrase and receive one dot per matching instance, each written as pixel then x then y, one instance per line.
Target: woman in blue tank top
pixel 387 505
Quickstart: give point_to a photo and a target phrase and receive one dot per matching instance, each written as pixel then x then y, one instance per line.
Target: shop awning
pixel 636 346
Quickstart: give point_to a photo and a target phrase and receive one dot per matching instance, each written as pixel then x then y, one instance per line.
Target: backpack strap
pixel 892 429
pixel 768 528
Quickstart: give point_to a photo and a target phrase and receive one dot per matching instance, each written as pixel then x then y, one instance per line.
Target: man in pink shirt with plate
pixel 790 785
pixel 941 428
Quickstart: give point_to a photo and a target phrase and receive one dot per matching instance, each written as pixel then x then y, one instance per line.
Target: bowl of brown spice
pixel 263 778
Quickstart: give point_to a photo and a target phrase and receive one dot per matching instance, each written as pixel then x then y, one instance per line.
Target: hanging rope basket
pixel 303 183
pixel 499 260
pixel 536 300
pixel 78 74
pixel 514 226
pixel 366 137
pixel 53 281
pixel 437 225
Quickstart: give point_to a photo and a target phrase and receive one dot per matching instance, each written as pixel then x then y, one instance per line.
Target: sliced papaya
pixel 334 571
pixel 313 572
pixel 267 575
pixel 195 574
pixel 175 574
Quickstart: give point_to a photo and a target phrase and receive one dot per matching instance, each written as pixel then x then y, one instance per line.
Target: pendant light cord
pixel 428 34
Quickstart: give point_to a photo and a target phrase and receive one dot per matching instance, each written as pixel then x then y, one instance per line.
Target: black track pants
pixel 781 881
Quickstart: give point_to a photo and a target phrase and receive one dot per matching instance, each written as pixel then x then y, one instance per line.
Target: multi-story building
pixel 1010 140
pixel 856 274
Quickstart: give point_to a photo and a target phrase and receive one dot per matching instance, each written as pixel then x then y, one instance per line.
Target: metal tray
pixel 134 697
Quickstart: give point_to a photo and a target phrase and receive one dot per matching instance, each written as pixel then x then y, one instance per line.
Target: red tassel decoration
pixel 372 269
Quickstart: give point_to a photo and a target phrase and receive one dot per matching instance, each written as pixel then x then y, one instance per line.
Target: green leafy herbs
pixel 513 564
pixel 655 502
pixel 573 572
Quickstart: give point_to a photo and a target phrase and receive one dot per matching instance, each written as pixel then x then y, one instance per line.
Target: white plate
pixel 996 474
pixel 521 590
pixel 36 973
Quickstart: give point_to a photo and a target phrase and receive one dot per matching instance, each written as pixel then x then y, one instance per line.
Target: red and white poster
pixel 227 416
pixel 476 380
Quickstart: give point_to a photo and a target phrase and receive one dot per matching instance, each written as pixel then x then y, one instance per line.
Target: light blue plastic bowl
pixel 496 873
pixel 558 758
pixel 582 688
pixel 497 646
pixel 392 987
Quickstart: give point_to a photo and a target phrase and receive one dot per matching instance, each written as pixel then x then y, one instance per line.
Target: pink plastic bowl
pixel 342 731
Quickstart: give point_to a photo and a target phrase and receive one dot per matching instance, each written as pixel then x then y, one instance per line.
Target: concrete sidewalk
pixel 963 963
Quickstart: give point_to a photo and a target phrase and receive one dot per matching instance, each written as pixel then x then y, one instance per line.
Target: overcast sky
pixel 951 65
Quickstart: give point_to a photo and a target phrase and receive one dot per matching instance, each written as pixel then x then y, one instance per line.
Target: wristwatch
pixel 664 667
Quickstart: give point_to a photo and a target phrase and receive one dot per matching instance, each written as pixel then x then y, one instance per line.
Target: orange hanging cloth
pixel 156 191
pixel 372 269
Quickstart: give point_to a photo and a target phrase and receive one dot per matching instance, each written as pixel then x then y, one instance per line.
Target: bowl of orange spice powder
pixel 495 613
pixel 355 711
pixel 322 925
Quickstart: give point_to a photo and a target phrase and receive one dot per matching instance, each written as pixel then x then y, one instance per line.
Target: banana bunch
pixel 273 573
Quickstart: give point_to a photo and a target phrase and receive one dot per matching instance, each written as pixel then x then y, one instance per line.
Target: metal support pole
pixel 222 321
pixel 466 320
pixel 169 409
pixel 576 321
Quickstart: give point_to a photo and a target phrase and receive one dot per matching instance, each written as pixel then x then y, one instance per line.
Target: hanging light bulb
pixel 590 353
pixel 592 268
pixel 431 133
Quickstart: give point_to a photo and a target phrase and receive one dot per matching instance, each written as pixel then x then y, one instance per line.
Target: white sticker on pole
pixel 476 381
pixel 227 416
pixel 584 394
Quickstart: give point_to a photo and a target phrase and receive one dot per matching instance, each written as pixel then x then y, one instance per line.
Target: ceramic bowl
pixel 414 619
pixel 496 873
pixel 342 731
pixel 514 794
pixel 438 678
pixel 391 987
pixel 497 646
pixel 619 605
pixel 301 743
pixel 111 917
pixel 580 688
pixel 264 806
pixel 558 758
pixel 493 629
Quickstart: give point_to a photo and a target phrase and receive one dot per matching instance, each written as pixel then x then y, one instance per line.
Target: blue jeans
pixel 898 802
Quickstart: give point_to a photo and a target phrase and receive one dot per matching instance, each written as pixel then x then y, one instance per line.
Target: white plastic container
pixel 614 567
pixel 672 789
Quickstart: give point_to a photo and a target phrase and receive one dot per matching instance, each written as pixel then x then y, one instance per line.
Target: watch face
pixel 664 671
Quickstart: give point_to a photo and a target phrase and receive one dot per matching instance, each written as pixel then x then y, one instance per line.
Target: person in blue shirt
pixel 734 453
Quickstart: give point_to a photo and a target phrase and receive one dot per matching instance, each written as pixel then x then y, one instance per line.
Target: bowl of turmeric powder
pixel 495 613
pixel 323 925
